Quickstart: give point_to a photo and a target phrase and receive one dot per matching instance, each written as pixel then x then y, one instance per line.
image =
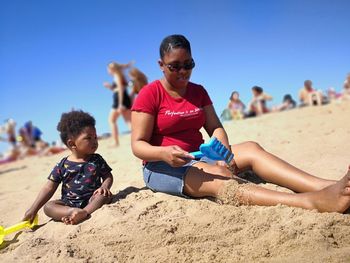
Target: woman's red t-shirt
pixel 177 120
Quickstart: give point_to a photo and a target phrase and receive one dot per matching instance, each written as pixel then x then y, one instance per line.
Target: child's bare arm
pixel 107 181
pixel 106 185
pixel 44 195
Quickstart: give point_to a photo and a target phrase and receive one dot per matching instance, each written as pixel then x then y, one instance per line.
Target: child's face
pixel 86 142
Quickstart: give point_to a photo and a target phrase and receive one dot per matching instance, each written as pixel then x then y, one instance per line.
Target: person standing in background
pixel 138 80
pixel 121 99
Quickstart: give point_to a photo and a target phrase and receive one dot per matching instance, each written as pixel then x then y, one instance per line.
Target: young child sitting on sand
pixel 86 177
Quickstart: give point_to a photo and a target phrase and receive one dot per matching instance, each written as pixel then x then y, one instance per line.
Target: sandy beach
pixel 142 226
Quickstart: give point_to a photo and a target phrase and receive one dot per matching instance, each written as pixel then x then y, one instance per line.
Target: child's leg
pixel 204 180
pixel 96 202
pixel 272 169
pixel 59 211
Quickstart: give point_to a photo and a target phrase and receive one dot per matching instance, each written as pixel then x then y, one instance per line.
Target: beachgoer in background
pixel 121 99
pixel 52 149
pixel 85 176
pixel 236 106
pixel 11 155
pixel 26 135
pixel 309 96
pixel 346 90
pixel 167 117
pixel 287 104
pixel 10 129
pixel 257 105
pixel 138 81
pixel 30 135
pixel 332 94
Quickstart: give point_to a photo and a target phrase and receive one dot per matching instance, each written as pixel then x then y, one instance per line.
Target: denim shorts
pixel 161 177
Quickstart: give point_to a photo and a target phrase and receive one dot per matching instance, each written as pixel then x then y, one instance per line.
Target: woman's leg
pixel 112 120
pixel 334 198
pixel 259 108
pixel 207 180
pixel 250 155
pixel 127 117
pixel 319 98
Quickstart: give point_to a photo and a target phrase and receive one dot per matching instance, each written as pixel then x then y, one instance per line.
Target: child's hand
pixel 29 215
pixel 103 191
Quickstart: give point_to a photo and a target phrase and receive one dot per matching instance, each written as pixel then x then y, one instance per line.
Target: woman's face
pixel 235 96
pixel 177 66
pixel 110 70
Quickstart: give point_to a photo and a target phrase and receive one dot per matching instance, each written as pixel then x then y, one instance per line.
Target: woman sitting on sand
pixel 236 106
pixel 257 106
pixel 166 120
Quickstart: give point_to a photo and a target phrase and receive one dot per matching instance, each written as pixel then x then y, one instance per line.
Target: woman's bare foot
pixel 334 198
pixel 77 216
pixel 114 145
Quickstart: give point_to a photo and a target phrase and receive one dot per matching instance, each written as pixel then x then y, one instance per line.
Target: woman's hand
pixel 107 85
pixel 221 163
pixel 175 156
pixel 121 108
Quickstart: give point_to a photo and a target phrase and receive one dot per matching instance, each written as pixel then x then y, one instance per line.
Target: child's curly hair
pixel 72 124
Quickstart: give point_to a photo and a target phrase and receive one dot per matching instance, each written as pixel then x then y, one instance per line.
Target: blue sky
pixel 53 54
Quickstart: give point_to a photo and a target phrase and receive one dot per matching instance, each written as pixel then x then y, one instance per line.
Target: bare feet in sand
pixel 77 216
pixel 334 198
pixel 114 145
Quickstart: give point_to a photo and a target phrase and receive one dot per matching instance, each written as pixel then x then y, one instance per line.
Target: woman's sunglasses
pixel 177 67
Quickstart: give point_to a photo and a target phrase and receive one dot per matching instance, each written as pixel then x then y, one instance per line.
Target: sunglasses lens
pixel 189 65
pixel 178 67
pixel 175 67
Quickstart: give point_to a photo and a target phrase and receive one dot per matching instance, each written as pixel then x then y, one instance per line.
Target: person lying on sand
pixel 166 120
pixel 85 176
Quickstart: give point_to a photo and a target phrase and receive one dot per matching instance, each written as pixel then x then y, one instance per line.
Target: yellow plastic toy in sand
pixel 17 227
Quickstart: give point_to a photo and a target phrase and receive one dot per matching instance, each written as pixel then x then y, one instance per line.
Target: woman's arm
pixel 108 85
pixel 44 195
pixel 128 65
pixel 267 96
pixel 214 127
pixel 141 132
